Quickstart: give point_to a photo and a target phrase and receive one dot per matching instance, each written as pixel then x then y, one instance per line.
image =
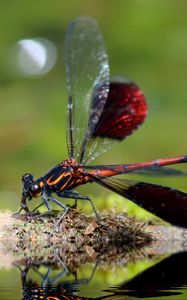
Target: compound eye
pixel 35 190
pixel 27 178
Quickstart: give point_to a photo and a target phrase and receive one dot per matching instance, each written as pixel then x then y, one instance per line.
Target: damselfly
pixel 101 113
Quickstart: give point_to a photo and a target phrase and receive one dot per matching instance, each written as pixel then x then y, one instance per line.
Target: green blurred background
pixel 145 40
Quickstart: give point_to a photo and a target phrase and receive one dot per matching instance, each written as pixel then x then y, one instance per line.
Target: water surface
pixel 159 277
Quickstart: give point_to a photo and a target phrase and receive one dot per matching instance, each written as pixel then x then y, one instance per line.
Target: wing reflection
pixel 160 280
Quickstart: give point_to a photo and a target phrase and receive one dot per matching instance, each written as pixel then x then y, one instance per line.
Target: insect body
pixel 65 176
pixel 101 113
pixel 60 180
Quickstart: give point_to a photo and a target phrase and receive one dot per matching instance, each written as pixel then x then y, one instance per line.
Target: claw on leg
pixel 23 207
pixel 18 213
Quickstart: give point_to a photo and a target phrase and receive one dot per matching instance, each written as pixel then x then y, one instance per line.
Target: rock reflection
pixel 163 279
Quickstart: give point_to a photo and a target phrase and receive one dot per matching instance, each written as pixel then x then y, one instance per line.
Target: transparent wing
pixel 87 70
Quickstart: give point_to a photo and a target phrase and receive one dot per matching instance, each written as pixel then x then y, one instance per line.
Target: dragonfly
pixel 101 112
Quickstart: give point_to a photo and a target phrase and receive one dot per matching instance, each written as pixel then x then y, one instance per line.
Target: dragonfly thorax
pixel 65 176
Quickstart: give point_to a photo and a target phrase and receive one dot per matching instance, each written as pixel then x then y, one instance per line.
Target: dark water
pixel 149 278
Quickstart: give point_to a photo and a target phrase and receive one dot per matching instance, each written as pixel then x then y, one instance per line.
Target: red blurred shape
pixel 124 111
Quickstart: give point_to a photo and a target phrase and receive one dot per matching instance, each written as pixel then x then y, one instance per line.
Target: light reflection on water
pixel 31 280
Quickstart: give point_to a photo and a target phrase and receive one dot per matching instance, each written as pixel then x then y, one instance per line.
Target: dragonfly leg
pixel 75 195
pixel 66 208
pixel 37 207
pixel 72 195
pixel 46 202
pixel 73 206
